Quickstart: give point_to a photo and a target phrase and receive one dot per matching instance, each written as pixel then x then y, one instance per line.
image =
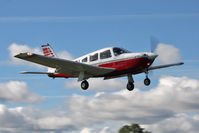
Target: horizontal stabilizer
pixel 164 66
pixel 35 73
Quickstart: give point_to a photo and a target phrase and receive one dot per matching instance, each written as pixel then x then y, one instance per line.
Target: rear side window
pixel 85 59
pixel 94 57
pixel 105 54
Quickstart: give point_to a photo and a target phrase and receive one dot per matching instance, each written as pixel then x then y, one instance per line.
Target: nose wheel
pixel 84 85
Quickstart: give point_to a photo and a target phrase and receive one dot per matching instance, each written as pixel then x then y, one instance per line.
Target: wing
pixel 164 66
pixel 76 69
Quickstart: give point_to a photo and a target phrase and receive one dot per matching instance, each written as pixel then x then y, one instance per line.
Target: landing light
pixel 148 64
pixel 29 54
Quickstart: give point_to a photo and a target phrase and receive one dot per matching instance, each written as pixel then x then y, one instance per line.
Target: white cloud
pixel 107 130
pixel 165 105
pixel 172 95
pixel 86 130
pixel 12 119
pixel 65 55
pixel 15 49
pixel 28 119
pixel 167 53
pixel 180 123
pixel 54 122
pixel 18 92
pixel 92 130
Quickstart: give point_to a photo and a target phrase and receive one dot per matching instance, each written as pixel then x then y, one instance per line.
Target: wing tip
pixel 17 56
pixel 23 55
pixel 23 72
pixel 181 63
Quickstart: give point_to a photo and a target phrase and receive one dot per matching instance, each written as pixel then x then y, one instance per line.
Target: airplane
pixel 109 63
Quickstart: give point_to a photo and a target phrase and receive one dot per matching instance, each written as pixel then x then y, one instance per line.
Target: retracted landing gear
pixel 130 84
pixel 84 85
pixel 147 81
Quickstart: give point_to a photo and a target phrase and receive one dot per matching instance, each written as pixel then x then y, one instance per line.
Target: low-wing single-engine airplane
pixel 111 62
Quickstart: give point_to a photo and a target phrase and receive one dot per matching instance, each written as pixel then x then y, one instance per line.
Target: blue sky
pixel 80 27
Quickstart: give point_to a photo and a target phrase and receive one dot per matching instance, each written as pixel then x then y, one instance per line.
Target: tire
pixel 147 81
pixel 130 86
pixel 84 85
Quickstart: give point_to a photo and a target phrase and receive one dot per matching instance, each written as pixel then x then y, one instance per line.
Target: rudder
pixel 48 51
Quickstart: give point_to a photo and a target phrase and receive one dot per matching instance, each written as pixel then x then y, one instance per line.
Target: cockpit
pixel 119 51
pixel 104 54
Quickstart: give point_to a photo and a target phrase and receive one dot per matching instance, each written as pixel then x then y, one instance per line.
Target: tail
pixel 48 51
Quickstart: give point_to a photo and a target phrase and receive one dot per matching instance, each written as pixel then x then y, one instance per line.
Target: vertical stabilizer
pixel 48 51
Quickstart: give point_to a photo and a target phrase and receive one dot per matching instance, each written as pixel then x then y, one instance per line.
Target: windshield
pixel 119 51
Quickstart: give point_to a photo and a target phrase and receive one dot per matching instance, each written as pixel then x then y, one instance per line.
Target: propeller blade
pixel 154 43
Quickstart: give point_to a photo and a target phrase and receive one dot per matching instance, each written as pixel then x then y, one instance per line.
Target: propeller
pixel 154 43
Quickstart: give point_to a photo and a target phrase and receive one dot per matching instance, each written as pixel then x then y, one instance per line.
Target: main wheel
pixel 130 86
pixel 84 85
pixel 147 81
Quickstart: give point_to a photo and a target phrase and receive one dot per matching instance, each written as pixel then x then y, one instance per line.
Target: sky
pixel 37 103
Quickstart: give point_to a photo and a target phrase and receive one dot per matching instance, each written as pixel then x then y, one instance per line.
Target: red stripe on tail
pixel 48 51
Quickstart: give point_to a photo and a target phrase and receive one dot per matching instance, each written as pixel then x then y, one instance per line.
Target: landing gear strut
pixel 147 81
pixel 84 85
pixel 130 84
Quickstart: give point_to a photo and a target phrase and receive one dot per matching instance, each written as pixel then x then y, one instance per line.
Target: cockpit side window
pixel 119 51
pixel 85 59
pixel 94 57
pixel 105 54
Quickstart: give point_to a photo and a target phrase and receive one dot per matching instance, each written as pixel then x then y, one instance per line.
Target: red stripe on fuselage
pixel 127 64
pixel 134 66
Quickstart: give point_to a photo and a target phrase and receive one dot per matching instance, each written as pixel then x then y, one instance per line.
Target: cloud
pixel 15 49
pixel 86 130
pixel 167 53
pixel 18 92
pixel 172 95
pixel 168 104
pixel 29 119
pixel 54 122
pixel 92 130
pixel 180 123
pixel 12 120
pixel 65 55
